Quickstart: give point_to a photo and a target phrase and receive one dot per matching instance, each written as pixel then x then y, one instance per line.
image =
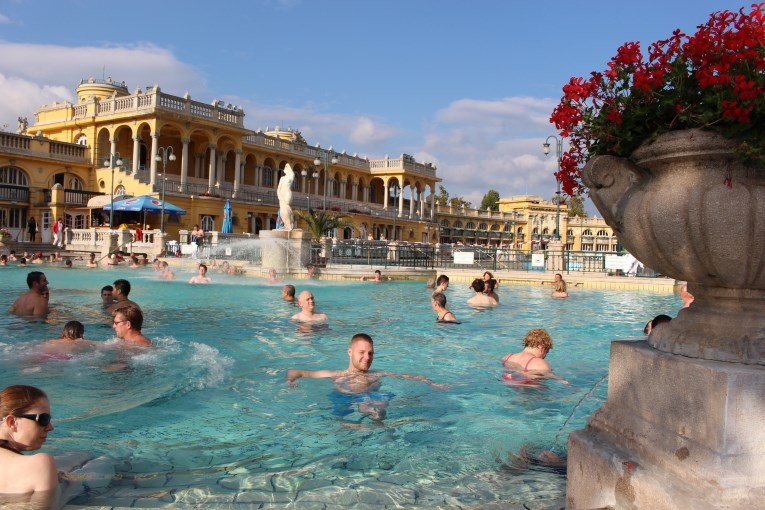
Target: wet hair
pixel 34 277
pixel 491 284
pixel 23 261
pixel 163 264
pixel 659 319
pixel 4 257
pixel 123 286
pixel 439 298
pixel 204 266
pixel 538 337
pixel 491 276
pixel 442 279
pixel 133 315
pixel 377 271
pixel 68 263
pixel 92 255
pixel 73 330
pixel 361 337
pixel 290 290
pixel 19 398
pixel 107 288
pixel 478 285
pixel 431 283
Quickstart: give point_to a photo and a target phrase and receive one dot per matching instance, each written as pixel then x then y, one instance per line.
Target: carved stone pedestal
pixel 675 433
pixel 285 250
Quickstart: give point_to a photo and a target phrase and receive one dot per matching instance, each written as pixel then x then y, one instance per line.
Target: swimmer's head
pixel 122 287
pixel 288 292
pixel 439 299
pixel 73 330
pixel 442 281
pixel 538 338
pixel 478 285
pixel 361 352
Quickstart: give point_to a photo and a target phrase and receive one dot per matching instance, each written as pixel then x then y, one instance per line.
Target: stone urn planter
pixel 686 206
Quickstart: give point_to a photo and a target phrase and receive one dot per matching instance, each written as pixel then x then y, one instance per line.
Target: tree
pixel 443 196
pixel 576 206
pixel 490 200
pixel 320 222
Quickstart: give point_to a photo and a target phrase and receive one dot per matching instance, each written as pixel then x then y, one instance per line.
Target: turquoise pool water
pixel 207 416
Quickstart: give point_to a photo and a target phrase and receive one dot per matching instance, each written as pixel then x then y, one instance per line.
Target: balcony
pixel 73 197
pixel 10 193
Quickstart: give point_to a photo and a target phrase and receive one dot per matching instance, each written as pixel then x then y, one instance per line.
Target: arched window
pixel 602 233
pixel 483 226
pixel 119 190
pixel 470 225
pixel 507 228
pixel 494 227
pixel 445 223
pixel 82 139
pixel 76 183
pixel 520 230
pixel 208 223
pixel 458 224
pixel 296 183
pixel 334 188
pixel 570 232
pixel 545 231
pixel 587 232
pixel 535 231
pixel 347 233
pixel 268 177
pixel 14 176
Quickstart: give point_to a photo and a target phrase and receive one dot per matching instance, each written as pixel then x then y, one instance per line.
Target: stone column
pixel 343 186
pixel 432 202
pixel 185 161
pixel 401 202
pixel 277 174
pixel 316 186
pixel 237 170
pixel 422 204
pixel 136 153
pixel 154 151
pixel 113 147
pixel 211 179
pixel 258 171
pixel 411 200
pixel 355 192
pixel 385 195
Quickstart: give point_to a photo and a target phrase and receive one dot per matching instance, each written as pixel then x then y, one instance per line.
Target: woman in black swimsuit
pixel 439 306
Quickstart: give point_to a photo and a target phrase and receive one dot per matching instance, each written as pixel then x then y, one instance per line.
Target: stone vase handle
pixel 612 181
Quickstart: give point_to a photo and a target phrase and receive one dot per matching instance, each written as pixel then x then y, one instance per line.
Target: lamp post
pixel 164 154
pixel 114 161
pixel 395 191
pixel 559 155
pixel 327 157
pixel 305 174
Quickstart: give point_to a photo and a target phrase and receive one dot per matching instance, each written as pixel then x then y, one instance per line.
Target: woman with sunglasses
pixel 26 421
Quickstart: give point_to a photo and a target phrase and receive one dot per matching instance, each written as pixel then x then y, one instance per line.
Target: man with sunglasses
pixel 127 324
pixel 32 303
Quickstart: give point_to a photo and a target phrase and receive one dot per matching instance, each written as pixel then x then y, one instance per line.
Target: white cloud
pixel 481 145
pixel 39 73
pixel 4 20
pixel 363 133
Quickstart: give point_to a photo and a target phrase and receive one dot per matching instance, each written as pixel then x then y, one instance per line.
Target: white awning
pixel 99 201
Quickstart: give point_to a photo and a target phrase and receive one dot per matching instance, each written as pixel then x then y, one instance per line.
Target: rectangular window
pixel 17 217
pixel 46 220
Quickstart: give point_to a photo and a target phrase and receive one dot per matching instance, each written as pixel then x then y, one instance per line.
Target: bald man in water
pixel 307 313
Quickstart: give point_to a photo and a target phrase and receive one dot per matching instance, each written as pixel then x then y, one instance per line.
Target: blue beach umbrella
pixel 228 227
pixel 145 203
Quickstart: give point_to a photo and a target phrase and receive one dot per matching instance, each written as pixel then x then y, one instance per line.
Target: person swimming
pixel 529 366
pixel 358 386
pixel 438 302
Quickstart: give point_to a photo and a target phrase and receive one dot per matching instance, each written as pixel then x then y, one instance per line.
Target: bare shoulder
pixel 539 364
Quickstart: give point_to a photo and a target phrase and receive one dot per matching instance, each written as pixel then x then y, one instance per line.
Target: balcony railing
pixel 72 196
pixel 11 193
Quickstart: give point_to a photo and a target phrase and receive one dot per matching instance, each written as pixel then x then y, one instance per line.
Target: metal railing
pixel 14 193
pixel 374 253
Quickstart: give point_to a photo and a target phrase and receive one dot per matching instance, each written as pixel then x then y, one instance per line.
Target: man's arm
pixel 41 308
pixel 293 375
pixel 416 377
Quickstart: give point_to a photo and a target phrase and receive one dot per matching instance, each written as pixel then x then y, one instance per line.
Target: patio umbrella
pixel 228 227
pixel 144 203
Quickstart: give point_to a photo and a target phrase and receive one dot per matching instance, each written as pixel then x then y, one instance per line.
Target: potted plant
pixel 671 147
pixel 5 235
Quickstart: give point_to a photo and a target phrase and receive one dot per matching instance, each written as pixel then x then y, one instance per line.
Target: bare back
pixel 30 304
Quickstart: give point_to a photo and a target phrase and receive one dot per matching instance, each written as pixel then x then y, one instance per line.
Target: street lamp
pixel 164 154
pixel 327 157
pixel 395 191
pixel 559 155
pixel 114 161
pixel 315 175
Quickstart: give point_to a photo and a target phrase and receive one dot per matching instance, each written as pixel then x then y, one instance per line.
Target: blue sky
pixel 466 85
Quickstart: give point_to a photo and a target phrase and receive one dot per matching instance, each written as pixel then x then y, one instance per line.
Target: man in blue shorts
pixel 357 384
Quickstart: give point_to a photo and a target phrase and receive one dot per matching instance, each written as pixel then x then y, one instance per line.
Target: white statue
pixel 22 126
pixel 284 193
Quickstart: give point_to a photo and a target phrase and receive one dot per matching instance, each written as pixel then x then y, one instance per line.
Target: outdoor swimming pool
pixel 207 417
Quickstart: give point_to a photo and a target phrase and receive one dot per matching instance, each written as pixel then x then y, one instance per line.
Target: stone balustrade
pixel 143 103
pixel 47 148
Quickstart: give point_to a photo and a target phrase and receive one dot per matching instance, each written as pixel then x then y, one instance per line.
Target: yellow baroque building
pixel 216 158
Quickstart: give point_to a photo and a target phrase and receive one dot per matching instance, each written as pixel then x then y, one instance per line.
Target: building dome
pixel 101 89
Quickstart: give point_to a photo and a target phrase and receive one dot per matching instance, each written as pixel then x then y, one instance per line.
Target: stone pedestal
pixel 285 250
pixel 675 433
pixel 555 256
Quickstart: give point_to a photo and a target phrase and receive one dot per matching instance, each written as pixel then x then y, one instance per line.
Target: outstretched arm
pixel 293 375
pixel 420 378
